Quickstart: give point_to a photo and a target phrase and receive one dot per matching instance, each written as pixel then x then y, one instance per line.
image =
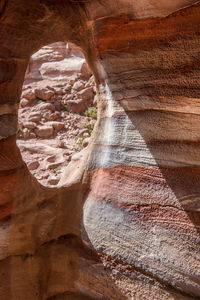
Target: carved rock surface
pixel 124 221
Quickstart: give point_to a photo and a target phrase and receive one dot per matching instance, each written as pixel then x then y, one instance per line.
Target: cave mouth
pixel 57 111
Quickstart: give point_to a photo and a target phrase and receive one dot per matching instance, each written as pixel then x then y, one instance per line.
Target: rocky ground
pixel 56 115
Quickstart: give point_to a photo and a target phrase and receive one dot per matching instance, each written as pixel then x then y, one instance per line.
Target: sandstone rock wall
pixel 124 223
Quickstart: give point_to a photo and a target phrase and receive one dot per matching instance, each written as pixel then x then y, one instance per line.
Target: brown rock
pixel 33 165
pixel 24 102
pixel 78 85
pixel 52 52
pixel 29 94
pixel 57 104
pixel 45 176
pixel 54 116
pixel 48 106
pixel 68 97
pixel 44 93
pixel 58 91
pixel 77 106
pixel 54 165
pixel 34 117
pixel 51 158
pixel 32 135
pixel 60 144
pixel 56 125
pixel 67 88
pixel 86 94
pixel 53 180
pixel 30 125
pixel 44 131
pixel 66 68
pixel 86 142
pixel 26 133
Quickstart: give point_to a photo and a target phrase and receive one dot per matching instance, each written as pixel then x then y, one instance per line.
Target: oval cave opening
pixel 57 112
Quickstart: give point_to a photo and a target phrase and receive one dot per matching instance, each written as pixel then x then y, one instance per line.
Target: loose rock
pixel 30 125
pixel 86 142
pixel 44 93
pixel 24 102
pixel 44 131
pixel 29 94
pixel 48 106
pixel 33 165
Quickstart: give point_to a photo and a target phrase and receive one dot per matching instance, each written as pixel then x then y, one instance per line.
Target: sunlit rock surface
pixel 124 222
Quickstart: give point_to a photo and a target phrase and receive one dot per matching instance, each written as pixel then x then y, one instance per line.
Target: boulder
pixel 32 135
pixel 30 125
pixel 86 94
pixel 24 102
pixel 58 91
pixel 49 53
pixel 66 68
pixel 34 117
pixel 29 94
pixel 77 106
pixel 33 165
pixel 86 142
pixel 51 158
pixel 43 93
pixel 48 106
pixel 78 85
pixel 44 131
pixel 54 116
pixel 53 180
pixel 56 125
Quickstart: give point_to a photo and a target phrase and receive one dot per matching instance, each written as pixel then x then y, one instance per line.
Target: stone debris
pixel 53 180
pixel 30 125
pixel 47 106
pixel 44 93
pixel 24 102
pixel 86 142
pixel 33 165
pixel 58 90
pixel 29 94
pixel 44 131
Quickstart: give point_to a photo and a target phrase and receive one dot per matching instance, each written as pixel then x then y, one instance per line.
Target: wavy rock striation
pixel 124 223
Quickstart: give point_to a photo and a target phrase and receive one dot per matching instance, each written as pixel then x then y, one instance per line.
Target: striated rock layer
pixel 124 222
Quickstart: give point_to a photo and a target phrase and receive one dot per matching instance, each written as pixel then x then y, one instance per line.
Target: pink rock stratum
pixel 123 222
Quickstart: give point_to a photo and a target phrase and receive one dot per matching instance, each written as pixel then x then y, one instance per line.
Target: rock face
pixel 124 221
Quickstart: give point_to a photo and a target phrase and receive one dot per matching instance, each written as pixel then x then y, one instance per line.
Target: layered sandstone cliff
pixel 124 221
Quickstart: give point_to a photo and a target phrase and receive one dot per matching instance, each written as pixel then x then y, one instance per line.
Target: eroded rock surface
pixel 124 221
